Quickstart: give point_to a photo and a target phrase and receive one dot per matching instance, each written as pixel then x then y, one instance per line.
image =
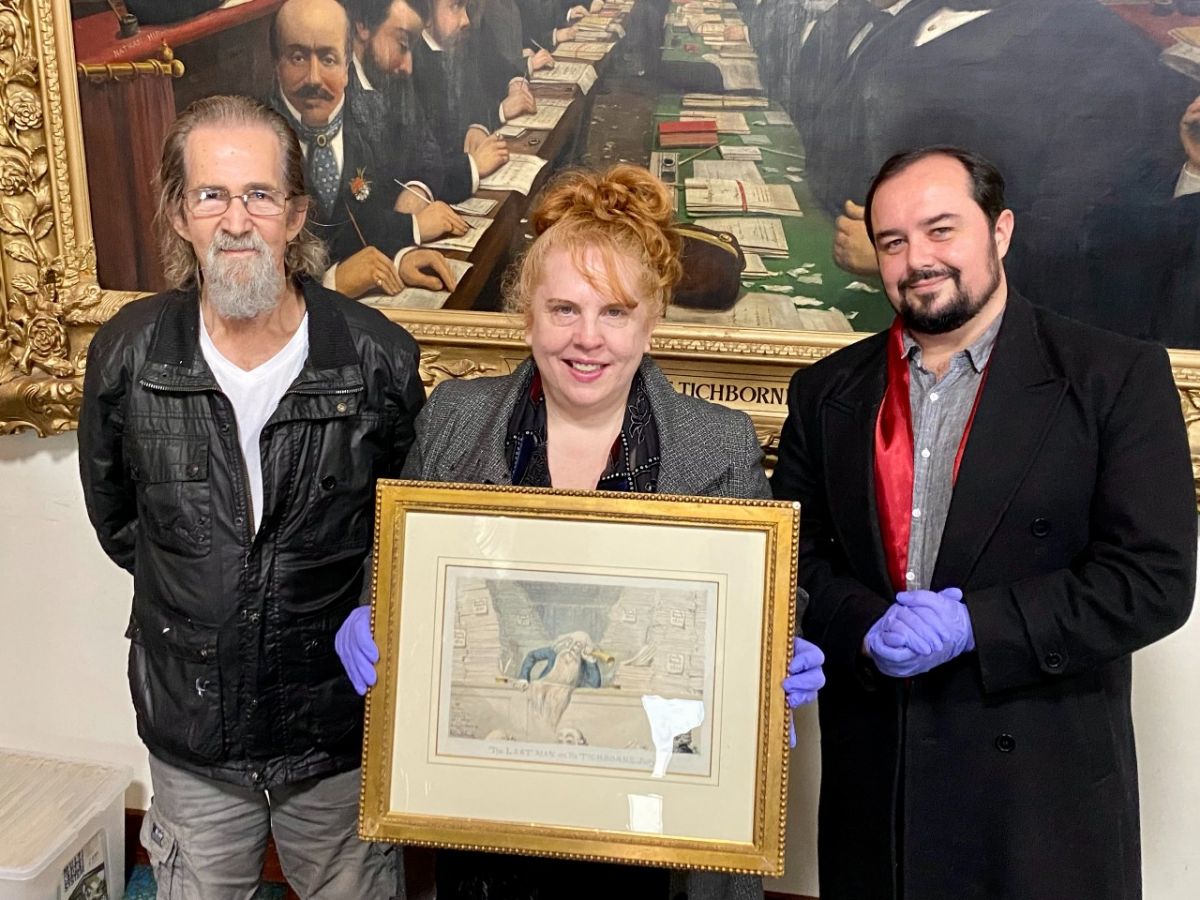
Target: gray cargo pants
pixel 207 839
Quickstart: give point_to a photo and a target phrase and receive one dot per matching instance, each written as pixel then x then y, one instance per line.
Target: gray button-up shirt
pixel 940 410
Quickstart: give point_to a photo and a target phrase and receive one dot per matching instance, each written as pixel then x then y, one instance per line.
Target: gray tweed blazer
pixel 707 450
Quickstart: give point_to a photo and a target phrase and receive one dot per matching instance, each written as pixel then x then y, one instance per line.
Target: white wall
pixel 64 606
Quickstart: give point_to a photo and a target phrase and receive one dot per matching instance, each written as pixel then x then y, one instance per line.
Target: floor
pixel 141 887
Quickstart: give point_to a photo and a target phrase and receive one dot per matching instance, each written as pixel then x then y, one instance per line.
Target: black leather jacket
pixel 231 663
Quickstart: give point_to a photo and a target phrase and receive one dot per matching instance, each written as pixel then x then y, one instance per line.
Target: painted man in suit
pixel 1066 97
pixel 386 34
pixel 998 510
pixel 359 204
pixel 456 103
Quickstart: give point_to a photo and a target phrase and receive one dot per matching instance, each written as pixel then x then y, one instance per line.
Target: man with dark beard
pixel 998 511
pixel 231 433
pixel 459 108
pixel 385 35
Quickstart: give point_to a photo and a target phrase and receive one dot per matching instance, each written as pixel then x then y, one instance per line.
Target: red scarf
pixel 894 457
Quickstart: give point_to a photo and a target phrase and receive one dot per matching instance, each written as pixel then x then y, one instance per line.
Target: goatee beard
pixel 961 309
pixel 241 287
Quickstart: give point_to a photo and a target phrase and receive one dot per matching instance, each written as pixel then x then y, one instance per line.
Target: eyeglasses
pixel 206 202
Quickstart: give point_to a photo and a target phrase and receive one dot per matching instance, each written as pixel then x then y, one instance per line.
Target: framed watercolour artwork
pixel 581 675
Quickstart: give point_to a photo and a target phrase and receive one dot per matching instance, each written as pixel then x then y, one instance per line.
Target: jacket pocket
pixel 174 495
pixel 334 709
pixel 340 503
pixel 159 840
pixel 175 680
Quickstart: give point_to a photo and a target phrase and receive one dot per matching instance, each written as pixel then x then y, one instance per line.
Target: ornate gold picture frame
pixel 51 303
pixel 581 675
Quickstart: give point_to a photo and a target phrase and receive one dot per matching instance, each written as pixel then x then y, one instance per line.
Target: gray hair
pixel 306 253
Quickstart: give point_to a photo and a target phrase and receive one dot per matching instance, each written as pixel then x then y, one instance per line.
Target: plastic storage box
pixel 62 828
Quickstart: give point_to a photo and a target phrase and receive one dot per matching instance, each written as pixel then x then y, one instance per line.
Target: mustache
pixel 251 240
pixel 923 274
pixel 313 92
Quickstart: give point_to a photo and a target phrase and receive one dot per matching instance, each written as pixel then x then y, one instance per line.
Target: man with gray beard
pixel 231 434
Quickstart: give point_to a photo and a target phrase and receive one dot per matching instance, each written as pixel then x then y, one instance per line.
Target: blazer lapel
pixel 685 466
pixel 848 428
pixel 1020 399
pixel 485 462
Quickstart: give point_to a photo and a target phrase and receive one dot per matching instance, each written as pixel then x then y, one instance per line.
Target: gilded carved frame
pixel 51 303
pixel 425 531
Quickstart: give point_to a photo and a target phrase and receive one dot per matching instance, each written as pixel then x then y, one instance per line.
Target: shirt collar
pixel 363 80
pixel 431 41
pixel 296 113
pixel 978 352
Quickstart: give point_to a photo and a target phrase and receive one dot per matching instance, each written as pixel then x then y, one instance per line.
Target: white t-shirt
pixel 255 395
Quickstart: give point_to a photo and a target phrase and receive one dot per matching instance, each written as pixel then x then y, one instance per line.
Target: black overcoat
pixel 1008 773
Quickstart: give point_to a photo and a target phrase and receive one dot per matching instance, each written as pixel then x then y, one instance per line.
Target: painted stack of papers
pixel 577 73
pixel 727 169
pixel 763 236
pixel 723 101
pixel 727 122
pixel 755 267
pixel 544 119
pixel 515 175
pixel 750 154
pixel 696 21
pixel 477 206
pixel 708 197
pixel 591 51
pixel 764 311
pixel 736 74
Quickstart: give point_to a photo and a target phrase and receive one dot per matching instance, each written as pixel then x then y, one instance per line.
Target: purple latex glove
pixel 804 679
pixel 920 631
pixel 356 649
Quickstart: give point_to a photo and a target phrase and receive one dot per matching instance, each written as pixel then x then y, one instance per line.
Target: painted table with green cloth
pixel 809 270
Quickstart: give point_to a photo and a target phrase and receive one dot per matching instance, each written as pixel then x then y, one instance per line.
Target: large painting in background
pixel 1072 98
pixel 1068 97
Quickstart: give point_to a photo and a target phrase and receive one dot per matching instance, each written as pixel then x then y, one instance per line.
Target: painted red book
pixel 687 133
pixel 687 126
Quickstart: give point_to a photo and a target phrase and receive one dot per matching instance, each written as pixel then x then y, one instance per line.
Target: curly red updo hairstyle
pixel 625 213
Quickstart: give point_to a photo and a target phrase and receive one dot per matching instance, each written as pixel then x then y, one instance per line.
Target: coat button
pixel 341 407
pixel 1006 743
pixel 1040 527
pixel 329 482
pixel 193 470
pixel 1054 660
